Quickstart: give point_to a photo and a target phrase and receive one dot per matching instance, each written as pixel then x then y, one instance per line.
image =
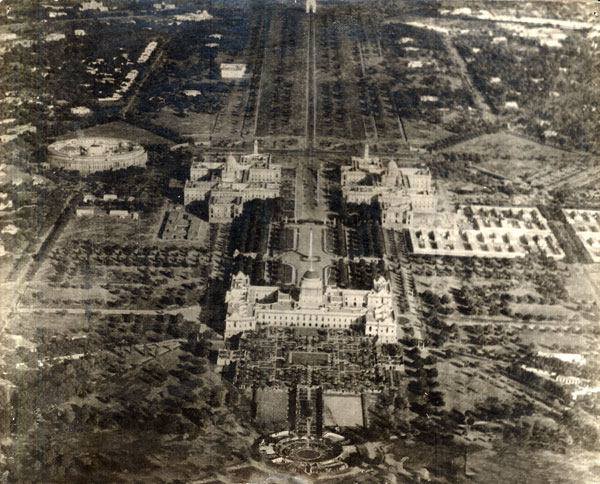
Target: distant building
pixel 227 184
pixel 119 213
pixel 164 6
pixel 576 358
pixel 232 71
pixel 85 212
pixel 93 5
pixel 252 307
pixel 55 36
pixel 81 111
pixel 570 380
pixel 144 56
pixel 10 229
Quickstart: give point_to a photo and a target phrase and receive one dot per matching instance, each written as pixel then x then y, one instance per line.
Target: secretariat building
pixel 225 184
pixel 401 192
pixel 327 307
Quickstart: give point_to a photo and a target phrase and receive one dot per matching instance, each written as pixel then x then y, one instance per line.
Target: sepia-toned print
pixel 299 242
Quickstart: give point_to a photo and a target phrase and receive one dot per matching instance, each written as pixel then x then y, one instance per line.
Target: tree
pixel 436 398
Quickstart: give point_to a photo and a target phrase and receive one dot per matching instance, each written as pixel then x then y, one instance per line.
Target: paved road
pixel 17 288
pixel 481 103
pixel 265 58
pixel 189 310
pixel 311 87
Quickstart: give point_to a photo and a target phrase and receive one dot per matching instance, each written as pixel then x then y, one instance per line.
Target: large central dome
pixel 311 290
pixel 311 275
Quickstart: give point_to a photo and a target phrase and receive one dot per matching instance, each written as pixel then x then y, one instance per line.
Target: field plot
pixel 178 225
pixel 489 466
pixel 469 385
pixel 420 133
pixel 342 411
pixel 488 291
pixel 556 338
pixel 198 126
pixel 355 95
pixel 506 154
pixel 309 359
pixel 271 409
pixel 101 229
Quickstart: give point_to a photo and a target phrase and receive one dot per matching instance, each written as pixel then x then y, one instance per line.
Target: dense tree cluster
pixel 427 80
pixel 366 240
pixel 122 382
pixel 250 230
pixel 281 238
pixel 254 267
pixel 541 272
pixel 509 61
pixel 356 274
pixel 83 252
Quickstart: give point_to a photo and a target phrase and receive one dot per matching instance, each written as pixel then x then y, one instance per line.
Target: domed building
pixel 311 290
pixel 401 192
pixel 391 176
pixel 253 307
pixel 92 154
pixel 230 170
pixel 228 183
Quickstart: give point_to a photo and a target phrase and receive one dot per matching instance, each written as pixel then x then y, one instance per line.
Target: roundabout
pixel 311 455
pixel 306 449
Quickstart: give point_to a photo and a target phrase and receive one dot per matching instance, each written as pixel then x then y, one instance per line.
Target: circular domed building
pixel 89 155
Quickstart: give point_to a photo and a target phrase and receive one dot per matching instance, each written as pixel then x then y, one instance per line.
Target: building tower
pixel 311 285
pixel 311 6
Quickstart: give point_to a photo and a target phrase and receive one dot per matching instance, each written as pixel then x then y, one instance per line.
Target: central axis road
pixel 311 87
